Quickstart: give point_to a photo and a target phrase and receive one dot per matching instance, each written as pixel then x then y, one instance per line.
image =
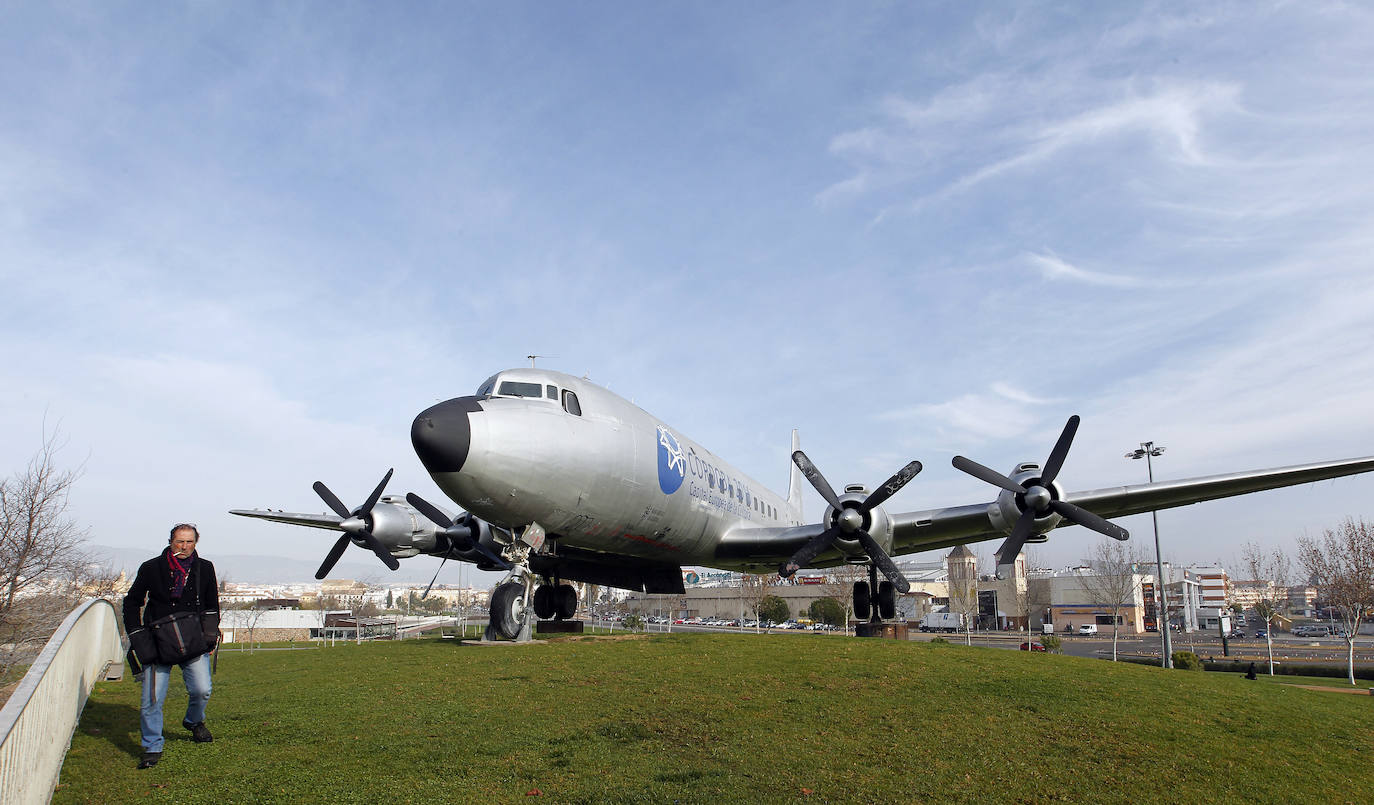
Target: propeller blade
pixel 333 557
pixel 883 561
pixel 817 480
pixel 376 494
pixel 1061 449
pixel 436 578
pixel 890 488
pixel 1013 544
pixel 381 551
pixel 429 510
pixel 982 473
pixel 330 500
pixel 809 551
pixel 1087 519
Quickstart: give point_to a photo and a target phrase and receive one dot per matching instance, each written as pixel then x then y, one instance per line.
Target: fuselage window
pixel 570 403
pixel 512 388
pixel 551 392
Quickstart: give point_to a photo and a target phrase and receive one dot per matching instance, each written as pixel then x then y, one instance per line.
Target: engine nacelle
pixel 876 523
pixel 1007 509
pixel 404 531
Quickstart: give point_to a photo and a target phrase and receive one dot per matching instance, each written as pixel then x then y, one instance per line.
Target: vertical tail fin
pixel 794 480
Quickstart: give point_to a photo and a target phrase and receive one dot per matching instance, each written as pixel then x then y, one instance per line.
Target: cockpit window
pixel 570 403
pixel 486 388
pixel 551 392
pixel 513 388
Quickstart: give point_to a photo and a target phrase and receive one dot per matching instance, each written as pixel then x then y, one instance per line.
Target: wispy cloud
pixel 1053 267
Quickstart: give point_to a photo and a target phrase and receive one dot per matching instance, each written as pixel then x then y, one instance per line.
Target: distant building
pixel 270 625
pixel 1249 592
pixel 1302 600
pixel 1214 594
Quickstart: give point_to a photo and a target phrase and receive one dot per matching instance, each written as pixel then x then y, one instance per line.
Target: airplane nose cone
pixel 442 435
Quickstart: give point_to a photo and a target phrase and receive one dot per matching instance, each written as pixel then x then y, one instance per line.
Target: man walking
pixel 171 614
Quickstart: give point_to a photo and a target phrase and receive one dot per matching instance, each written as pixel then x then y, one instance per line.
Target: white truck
pixel 942 622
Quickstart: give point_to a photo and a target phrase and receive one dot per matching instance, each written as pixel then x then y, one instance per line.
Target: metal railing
pixel 37 723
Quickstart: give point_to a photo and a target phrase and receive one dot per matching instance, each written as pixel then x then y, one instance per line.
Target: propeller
pixel 1039 499
pixel 850 521
pixel 460 535
pixel 357 524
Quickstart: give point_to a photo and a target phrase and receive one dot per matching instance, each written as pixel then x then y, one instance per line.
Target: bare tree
pixel 1113 585
pixel 1341 565
pixel 1029 598
pixel 754 589
pixel 842 588
pixel 43 570
pixel 963 594
pixel 1271 572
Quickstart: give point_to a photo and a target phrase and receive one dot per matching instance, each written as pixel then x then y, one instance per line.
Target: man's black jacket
pixel 153 587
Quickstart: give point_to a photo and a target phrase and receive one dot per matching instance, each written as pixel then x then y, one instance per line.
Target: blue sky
pixel 243 244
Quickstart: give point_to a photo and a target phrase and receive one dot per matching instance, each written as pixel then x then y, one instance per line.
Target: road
pixel 1286 647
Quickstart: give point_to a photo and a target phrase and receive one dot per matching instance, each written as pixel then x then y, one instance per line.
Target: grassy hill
pixel 714 718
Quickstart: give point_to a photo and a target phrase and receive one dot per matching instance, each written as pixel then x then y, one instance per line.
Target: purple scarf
pixel 180 572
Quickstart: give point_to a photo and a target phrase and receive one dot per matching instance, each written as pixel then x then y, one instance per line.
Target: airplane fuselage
pixel 594 470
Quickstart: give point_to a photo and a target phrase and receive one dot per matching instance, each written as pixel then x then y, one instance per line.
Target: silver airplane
pixel 562 480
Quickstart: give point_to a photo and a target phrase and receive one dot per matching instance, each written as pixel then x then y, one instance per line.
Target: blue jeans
pixel 196 674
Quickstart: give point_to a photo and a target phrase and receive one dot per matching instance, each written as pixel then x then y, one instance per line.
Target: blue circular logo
pixel 672 465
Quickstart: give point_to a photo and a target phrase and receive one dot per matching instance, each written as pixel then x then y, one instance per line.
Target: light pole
pixel 1146 451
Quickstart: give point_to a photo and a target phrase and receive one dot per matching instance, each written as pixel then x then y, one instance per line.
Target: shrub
pixel 1289 668
pixel 1186 661
pixel 774 609
pixel 1052 643
pixel 632 622
pixel 938 640
pixel 828 610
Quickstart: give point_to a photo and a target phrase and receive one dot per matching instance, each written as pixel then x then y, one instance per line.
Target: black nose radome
pixel 441 434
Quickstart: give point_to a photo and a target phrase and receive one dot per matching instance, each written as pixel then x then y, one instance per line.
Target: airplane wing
pixel 934 529
pixel 327 521
pixel 945 528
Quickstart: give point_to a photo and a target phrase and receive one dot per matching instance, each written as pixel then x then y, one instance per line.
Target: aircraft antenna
pixel 532 358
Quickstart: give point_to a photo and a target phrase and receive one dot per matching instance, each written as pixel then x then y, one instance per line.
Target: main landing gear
pixel 876 609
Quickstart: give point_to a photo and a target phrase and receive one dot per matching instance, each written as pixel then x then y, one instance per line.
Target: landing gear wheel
pixel 565 601
pixel 862 605
pixel 887 601
pixel 544 602
pixel 508 609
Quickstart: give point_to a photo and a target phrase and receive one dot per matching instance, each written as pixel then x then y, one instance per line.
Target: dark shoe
pixel 149 760
pixel 198 732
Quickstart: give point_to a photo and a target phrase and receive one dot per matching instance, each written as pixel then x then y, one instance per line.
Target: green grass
pixel 716 718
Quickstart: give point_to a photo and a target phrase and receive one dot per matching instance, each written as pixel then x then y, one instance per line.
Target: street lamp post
pixel 1146 451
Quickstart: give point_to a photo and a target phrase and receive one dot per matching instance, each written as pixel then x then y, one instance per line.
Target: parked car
pixel 1261 634
pixel 1032 647
pixel 1087 628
